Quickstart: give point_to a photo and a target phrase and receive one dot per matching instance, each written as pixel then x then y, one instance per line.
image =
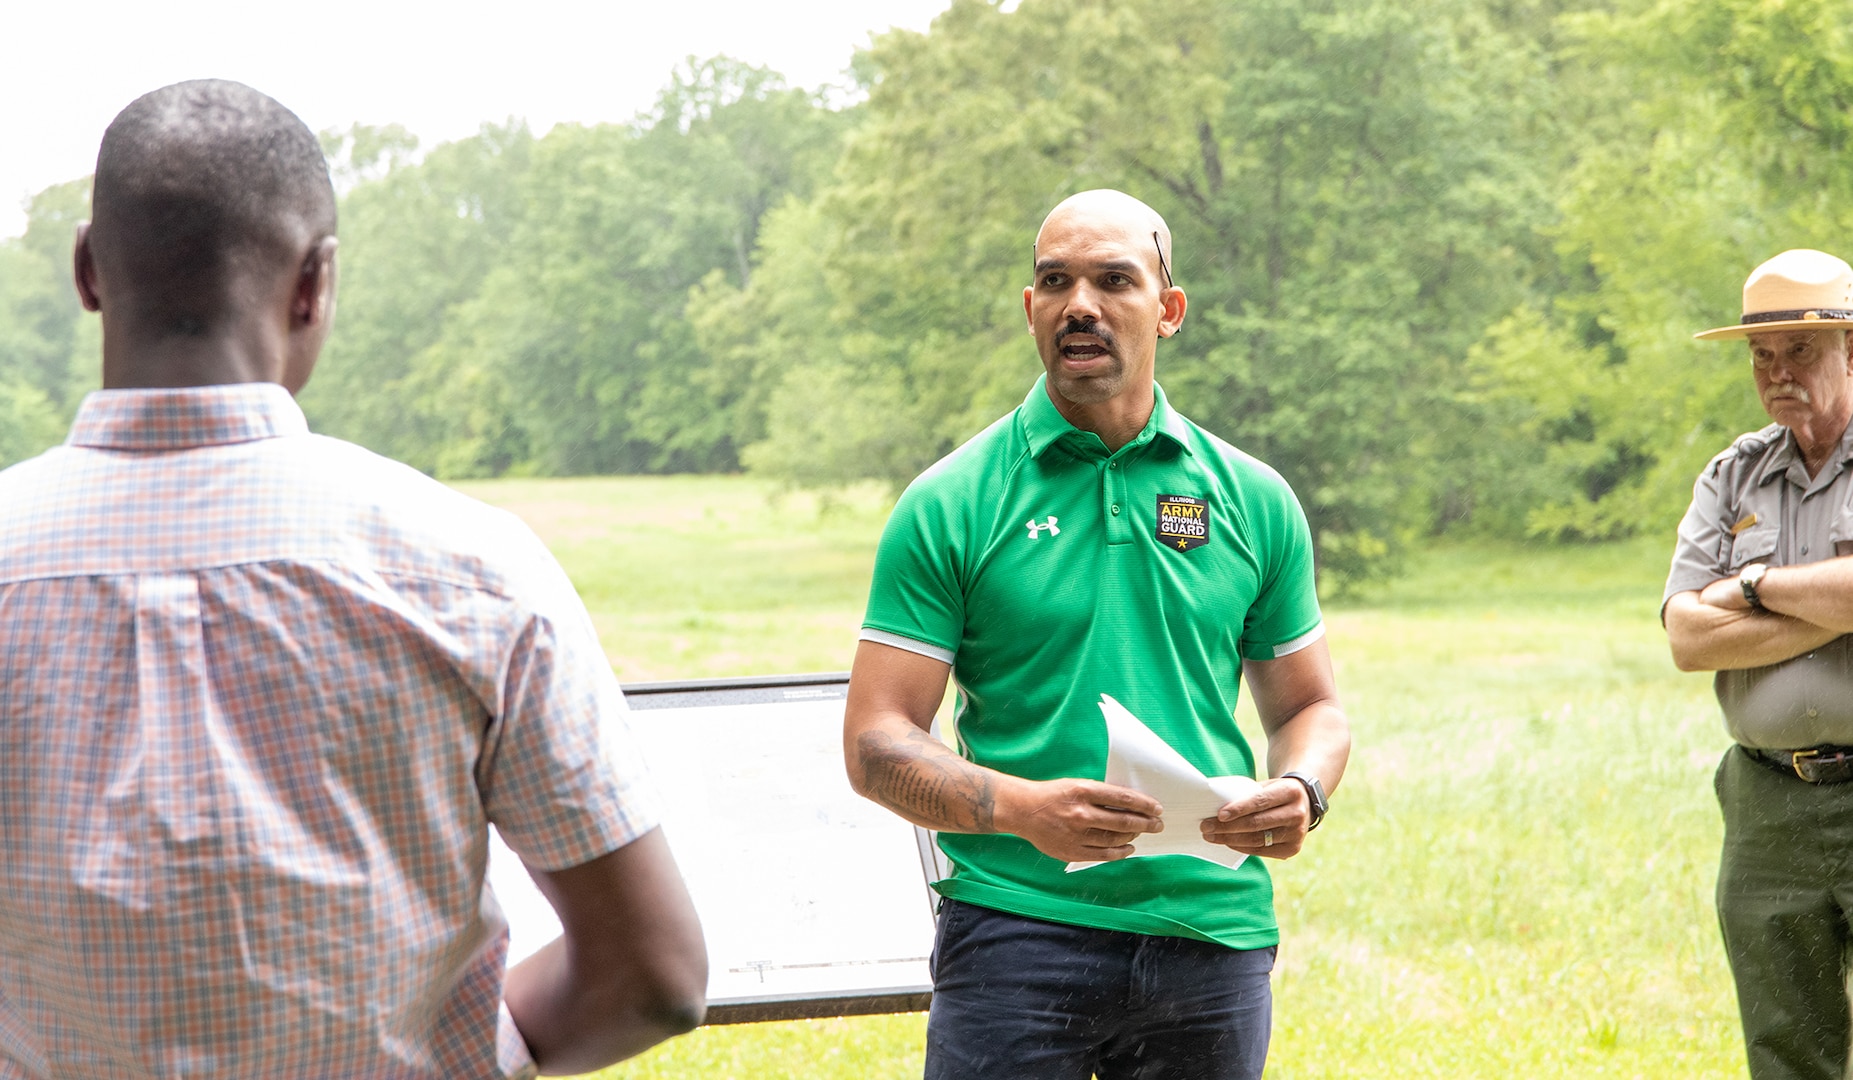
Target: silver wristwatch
pixel 1748 579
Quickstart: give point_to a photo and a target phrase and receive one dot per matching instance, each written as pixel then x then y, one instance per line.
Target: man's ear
pixel 313 300
pixel 84 269
pixel 1029 294
pixel 1171 317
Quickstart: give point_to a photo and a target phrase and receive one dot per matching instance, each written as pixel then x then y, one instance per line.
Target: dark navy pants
pixel 1023 999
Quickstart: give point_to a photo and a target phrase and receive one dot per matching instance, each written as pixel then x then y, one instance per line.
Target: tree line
pixel 1444 257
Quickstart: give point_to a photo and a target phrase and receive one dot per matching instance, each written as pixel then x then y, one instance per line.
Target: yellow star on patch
pixel 1182 544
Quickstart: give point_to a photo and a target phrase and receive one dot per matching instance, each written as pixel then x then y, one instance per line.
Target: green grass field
pixel 1515 878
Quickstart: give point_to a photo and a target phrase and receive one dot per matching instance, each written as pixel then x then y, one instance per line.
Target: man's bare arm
pixel 1820 593
pixel 894 760
pixel 1297 699
pixel 629 970
pixel 920 778
pixel 1710 631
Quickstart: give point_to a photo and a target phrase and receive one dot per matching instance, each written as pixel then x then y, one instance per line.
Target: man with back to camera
pixel 1094 542
pixel 1761 591
pixel 261 692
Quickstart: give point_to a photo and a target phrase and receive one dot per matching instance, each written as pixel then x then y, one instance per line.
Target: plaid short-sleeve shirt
pixel 261 694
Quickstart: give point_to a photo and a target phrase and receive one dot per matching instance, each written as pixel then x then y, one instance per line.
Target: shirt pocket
pixel 1755 544
pixel 1840 534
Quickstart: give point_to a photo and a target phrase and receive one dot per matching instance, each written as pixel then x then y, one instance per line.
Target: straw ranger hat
pixel 1796 290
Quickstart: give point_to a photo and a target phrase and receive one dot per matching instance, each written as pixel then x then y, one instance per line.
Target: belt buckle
pixel 1802 760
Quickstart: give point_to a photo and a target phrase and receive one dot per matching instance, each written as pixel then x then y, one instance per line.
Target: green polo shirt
pixel 1048 572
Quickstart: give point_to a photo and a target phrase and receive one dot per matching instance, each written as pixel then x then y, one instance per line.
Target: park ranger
pixel 1761 592
pixel 1095 542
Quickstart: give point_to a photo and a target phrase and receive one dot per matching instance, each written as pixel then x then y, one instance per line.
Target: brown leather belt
pixel 1818 765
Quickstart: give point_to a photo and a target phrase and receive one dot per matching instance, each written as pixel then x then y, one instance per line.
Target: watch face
pixel 1315 792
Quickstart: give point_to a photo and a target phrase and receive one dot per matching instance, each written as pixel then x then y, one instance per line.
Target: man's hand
pixel 1279 811
pixel 1297 699
pixel 1077 820
pixel 628 970
pixel 1725 593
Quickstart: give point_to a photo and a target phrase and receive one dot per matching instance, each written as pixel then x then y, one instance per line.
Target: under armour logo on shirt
pixel 1036 531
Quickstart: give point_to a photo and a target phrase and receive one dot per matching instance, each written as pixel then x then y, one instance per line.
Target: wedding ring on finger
pixel 1267 838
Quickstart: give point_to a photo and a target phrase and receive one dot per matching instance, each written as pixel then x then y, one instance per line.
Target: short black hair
pixel 199 185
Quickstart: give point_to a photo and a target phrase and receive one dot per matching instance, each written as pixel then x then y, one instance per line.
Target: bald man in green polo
pixel 1095 545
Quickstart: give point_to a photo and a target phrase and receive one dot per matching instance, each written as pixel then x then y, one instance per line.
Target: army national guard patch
pixel 1183 522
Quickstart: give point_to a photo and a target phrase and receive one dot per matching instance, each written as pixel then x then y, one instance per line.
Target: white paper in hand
pixel 1140 760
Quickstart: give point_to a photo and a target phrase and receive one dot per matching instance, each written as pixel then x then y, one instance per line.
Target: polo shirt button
pixel 1804 549
pixel 1113 464
pixel 1812 713
pixel 1116 509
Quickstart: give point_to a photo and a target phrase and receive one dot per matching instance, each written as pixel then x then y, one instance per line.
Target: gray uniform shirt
pixel 1756 503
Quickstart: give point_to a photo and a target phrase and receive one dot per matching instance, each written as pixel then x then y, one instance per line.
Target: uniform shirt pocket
pixel 1755 544
pixel 1840 533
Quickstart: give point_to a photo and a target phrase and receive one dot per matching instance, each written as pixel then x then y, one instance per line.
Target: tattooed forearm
pixel 920 777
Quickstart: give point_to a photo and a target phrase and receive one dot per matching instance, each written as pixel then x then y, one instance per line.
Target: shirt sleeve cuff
pixel 883 637
pixel 1288 648
pixel 1694 584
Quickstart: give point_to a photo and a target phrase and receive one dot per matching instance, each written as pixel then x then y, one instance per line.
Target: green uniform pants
pixel 1785 891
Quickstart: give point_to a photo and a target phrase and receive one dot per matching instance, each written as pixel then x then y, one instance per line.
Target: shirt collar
pixel 180 418
pixel 1785 459
pixel 1044 425
pixel 1780 456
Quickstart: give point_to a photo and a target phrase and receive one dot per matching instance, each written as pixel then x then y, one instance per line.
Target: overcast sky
pixel 439 69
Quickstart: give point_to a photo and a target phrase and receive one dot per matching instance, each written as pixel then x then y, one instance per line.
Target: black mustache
pixel 1085 326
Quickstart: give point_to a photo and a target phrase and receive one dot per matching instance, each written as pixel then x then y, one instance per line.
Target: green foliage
pixel 1353 190
pixel 417 244
pixel 1722 148
pixel 513 304
pixel 48 350
pixel 39 311
pixel 364 153
pixel 656 208
pixel 28 422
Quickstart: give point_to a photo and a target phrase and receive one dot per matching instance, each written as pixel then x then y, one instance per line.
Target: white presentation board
pixel 814 900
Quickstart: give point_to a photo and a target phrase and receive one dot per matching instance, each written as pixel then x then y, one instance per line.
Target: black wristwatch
pixel 1315 795
pixel 1748 579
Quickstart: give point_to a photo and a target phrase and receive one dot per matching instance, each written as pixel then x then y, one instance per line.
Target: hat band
pixel 1798 315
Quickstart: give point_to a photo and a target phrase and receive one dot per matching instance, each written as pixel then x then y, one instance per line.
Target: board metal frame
pixel 751 689
pixel 738 1008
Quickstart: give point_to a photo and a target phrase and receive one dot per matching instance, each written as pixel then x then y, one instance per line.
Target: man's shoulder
pixel 987 456
pixel 416 523
pixel 24 476
pixel 1252 476
pixel 1747 450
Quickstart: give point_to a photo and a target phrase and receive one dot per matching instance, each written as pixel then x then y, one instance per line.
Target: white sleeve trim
pixel 883 637
pixel 1298 643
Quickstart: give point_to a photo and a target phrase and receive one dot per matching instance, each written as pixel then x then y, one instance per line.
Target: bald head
pixel 204 190
pixel 1100 299
pixel 1106 210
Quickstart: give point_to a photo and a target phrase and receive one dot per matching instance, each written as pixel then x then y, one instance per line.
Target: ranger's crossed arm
pixel 1804 607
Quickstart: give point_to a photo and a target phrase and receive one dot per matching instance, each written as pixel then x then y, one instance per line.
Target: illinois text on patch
pixel 1183 522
